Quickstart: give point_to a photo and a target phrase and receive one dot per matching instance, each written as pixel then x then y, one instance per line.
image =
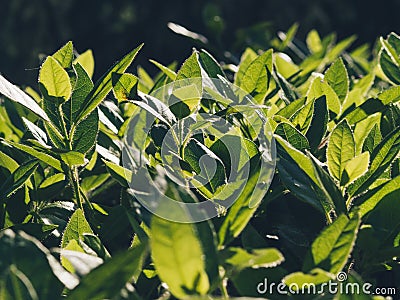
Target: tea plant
pixel 77 161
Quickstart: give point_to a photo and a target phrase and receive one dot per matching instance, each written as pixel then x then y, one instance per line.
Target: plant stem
pixel 64 128
pixel 223 289
pixel 75 184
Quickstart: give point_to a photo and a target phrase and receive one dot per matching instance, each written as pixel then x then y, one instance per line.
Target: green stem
pixel 64 128
pixel 75 184
pixel 223 289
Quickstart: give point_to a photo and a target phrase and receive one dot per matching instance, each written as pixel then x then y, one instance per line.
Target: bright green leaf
pixel 355 168
pixel 338 79
pixel 65 55
pixel 341 149
pixel 178 257
pixel 255 78
pixel 86 60
pixel 54 80
pixel 124 86
pixel 76 227
pixel 239 258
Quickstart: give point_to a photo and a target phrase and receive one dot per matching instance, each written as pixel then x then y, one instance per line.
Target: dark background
pixel 29 28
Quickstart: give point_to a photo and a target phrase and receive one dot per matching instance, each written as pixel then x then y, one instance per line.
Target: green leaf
pixel 124 86
pixel 18 178
pixel 146 83
pixel 389 67
pixel 390 95
pixel 178 257
pixel 209 167
pixel 285 66
pixel 86 60
pixel 39 231
pixel 292 135
pixel 302 118
pixel 341 149
pixel 339 48
pixel 314 41
pixel 255 78
pixel 65 55
pixel 210 65
pixel 248 56
pixel 338 79
pixel 289 94
pixel 246 204
pixel 239 258
pixel 46 158
pixel 367 202
pixel 319 88
pixel 363 111
pixel 316 276
pixel 363 129
pixel 73 247
pixel 15 94
pixel 106 281
pixel 381 158
pixel 36 131
pixel 331 249
pixel 328 187
pixel 318 125
pixel 298 157
pixel 73 158
pixel 83 137
pixel 355 168
pixel 297 173
pixel 289 110
pixel 372 140
pixel 119 173
pixel 104 85
pixel 167 71
pixel 288 36
pixel 8 162
pixel 190 68
pixel 95 244
pixel 248 281
pixel 185 99
pixel 209 243
pixel 76 227
pixel 54 80
pixel 27 255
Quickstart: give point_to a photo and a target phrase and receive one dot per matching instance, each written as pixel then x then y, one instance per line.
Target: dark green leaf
pixel 106 281
pixel 292 135
pixel 18 178
pixel 104 85
pixel 331 249
pixel 318 125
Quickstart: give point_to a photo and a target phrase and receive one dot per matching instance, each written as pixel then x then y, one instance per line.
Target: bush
pixel 206 181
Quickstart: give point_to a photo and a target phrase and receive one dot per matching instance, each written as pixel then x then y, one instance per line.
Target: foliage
pixel 67 210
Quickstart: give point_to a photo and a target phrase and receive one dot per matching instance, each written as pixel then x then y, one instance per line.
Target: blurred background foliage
pixel 31 28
